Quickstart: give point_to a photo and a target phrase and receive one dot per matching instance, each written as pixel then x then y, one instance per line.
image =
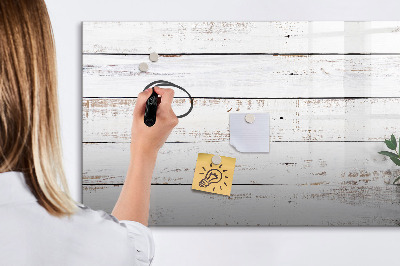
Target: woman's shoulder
pixel 136 235
pixel 85 213
pixel 99 222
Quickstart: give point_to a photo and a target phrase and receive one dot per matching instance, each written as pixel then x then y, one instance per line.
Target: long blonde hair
pixel 29 122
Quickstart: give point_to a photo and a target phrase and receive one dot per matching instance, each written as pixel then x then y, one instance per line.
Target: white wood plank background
pixel 241 37
pixel 317 163
pixel 248 76
pixel 339 205
pixel 109 120
pixel 331 88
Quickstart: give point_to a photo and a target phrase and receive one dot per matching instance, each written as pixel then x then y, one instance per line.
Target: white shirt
pixel 29 235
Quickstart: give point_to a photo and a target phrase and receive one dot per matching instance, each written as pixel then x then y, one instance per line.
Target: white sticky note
pixel 249 137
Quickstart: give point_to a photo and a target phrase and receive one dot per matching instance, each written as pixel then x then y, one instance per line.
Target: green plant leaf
pixel 390 144
pixel 395 160
pixel 397 179
pixel 388 153
pixel 393 140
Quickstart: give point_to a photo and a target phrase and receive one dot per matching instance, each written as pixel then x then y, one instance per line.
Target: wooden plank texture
pixel 241 37
pixel 109 120
pixel 340 205
pixel 332 92
pixel 248 76
pixel 333 163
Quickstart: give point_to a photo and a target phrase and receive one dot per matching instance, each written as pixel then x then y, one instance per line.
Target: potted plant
pixel 394 156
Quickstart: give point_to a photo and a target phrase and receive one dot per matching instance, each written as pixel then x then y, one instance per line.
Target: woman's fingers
pixel 141 102
pixel 165 110
pixel 167 95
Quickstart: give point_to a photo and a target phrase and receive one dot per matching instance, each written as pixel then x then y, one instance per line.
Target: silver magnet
pixel 143 67
pixel 153 57
pixel 250 118
pixel 216 159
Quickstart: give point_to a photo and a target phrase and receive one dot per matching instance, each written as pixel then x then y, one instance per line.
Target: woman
pixel 39 222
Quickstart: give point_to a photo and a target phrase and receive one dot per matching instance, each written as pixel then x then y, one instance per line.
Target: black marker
pixel 169 84
pixel 151 109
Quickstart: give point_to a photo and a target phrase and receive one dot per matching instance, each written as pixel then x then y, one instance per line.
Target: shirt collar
pixel 13 188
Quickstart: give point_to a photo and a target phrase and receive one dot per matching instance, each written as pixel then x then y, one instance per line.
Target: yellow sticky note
pixel 213 178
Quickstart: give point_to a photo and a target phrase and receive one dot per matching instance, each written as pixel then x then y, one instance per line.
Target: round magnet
pixel 153 57
pixel 250 118
pixel 143 67
pixel 216 159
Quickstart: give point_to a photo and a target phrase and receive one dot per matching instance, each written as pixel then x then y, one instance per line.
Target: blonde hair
pixel 29 122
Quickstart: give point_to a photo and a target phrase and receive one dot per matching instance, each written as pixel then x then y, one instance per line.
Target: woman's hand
pixel 146 139
pixel 134 201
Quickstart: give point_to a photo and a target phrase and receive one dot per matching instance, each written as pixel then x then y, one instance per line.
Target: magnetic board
pixel 332 92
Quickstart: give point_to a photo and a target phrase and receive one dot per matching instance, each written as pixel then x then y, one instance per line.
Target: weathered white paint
pixel 323 168
pixel 317 205
pixel 248 76
pixel 241 37
pixel 109 120
pixel 301 163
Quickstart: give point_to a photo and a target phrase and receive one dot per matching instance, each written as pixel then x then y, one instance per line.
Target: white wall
pixel 220 246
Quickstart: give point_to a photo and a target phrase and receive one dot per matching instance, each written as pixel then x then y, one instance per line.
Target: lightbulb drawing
pixel 213 176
